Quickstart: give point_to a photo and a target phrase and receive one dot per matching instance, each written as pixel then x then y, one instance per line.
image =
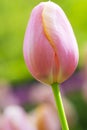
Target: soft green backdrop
pixel 14 15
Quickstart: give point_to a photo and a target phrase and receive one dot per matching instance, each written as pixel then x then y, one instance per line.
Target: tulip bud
pixel 50 48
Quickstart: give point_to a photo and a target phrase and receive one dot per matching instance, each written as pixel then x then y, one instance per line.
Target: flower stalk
pixel 60 108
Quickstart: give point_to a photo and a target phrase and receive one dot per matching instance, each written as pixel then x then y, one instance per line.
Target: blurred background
pixel 19 89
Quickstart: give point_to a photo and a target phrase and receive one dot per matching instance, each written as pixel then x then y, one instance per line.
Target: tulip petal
pixel 38 53
pixel 61 37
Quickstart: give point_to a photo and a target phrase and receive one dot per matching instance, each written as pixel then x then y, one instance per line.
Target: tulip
pixel 50 48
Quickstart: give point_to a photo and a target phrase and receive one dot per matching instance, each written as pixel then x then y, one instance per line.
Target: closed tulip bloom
pixel 50 48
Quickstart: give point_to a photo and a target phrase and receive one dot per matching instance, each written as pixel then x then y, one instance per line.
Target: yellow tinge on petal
pixel 48 19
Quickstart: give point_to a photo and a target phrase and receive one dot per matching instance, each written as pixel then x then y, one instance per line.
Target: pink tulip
pixel 50 48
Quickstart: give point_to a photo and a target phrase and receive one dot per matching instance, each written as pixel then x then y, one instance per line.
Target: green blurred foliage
pixel 14 15
pixel 81 107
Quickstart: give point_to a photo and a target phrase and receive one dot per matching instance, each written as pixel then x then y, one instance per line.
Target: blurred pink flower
pixel 16 119
pixel 6 96
pixel 1 122
pixel 46 118
pixel 50 48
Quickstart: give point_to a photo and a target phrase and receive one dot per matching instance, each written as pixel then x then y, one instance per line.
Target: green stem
pixel 60 107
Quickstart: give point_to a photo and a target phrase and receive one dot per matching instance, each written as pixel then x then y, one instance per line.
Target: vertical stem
pixel 60 107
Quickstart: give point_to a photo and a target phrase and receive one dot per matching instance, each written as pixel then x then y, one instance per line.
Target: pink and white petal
pixel 60 34
pixel 38 53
